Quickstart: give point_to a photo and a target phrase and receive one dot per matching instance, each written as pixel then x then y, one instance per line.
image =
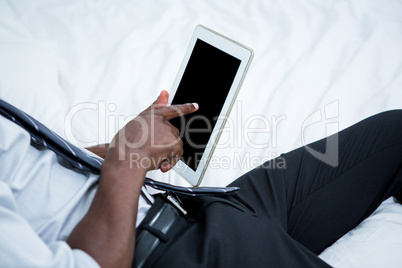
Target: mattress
pixel 85 68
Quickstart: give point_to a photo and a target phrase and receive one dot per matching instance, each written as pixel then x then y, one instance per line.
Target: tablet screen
pixel 206 80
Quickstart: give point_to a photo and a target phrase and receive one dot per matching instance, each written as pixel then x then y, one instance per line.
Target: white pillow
pixel 379 235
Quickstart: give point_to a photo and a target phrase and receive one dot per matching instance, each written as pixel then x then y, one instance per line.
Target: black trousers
pixel 285 214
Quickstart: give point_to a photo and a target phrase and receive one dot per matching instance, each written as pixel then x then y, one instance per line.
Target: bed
pixel 86 67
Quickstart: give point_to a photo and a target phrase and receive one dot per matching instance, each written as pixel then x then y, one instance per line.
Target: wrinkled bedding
pixel 86 67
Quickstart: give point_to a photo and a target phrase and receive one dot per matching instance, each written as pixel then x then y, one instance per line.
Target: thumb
pixel 160 102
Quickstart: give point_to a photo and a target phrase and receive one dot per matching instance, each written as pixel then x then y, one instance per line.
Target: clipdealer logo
pixel 329 113
pixel 238 132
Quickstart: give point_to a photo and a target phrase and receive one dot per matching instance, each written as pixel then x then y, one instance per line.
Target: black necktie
pixel 78 158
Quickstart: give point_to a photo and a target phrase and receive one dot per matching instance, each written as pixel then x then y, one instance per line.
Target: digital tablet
pixel 211 74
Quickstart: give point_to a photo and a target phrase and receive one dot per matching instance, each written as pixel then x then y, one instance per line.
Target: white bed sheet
pixel 86 67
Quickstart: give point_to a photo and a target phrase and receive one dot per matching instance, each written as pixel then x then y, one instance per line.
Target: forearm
pixel 107 232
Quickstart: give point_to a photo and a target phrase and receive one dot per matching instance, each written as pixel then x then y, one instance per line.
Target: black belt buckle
pixel 156 229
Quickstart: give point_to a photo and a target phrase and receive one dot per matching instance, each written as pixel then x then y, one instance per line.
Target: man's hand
pixel 155 116
pixel 107 232
pixel 101 149
pixel 150 140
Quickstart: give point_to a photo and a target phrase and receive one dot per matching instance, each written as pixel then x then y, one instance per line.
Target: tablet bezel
pixel 241 52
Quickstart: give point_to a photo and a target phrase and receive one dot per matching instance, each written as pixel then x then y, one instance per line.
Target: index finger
pixel 173 111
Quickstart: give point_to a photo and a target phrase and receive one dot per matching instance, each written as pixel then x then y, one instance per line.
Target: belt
pixel 153 232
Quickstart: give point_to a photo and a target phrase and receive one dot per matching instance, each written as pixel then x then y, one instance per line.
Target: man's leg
pixel 318 203
pixel 325 202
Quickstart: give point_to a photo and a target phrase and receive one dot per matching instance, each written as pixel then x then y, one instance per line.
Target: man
pixel 278 218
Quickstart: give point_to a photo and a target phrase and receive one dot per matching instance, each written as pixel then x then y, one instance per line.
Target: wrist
pixel 131 159
pixel 122 168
